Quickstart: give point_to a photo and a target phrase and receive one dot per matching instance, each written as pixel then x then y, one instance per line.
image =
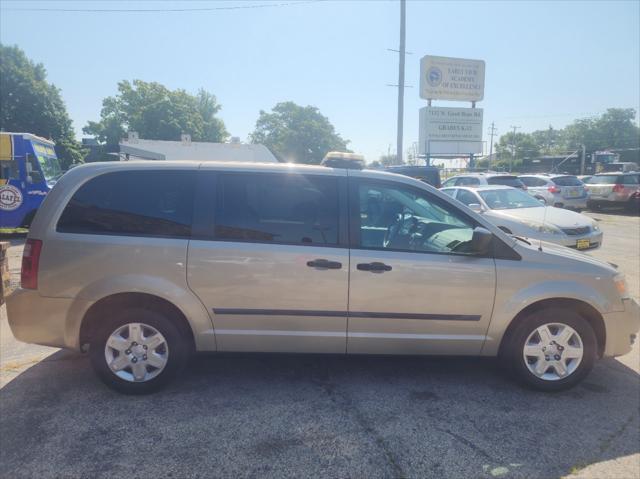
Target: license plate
pixel 574 193
pixel 582 244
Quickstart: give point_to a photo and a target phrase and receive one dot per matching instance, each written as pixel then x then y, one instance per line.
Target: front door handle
pixel 324 263
pixel 375 267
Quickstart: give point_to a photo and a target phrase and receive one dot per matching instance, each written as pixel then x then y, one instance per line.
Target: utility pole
pixel 492 132
pixel 513 148
pixel 582 159
pixel 403 14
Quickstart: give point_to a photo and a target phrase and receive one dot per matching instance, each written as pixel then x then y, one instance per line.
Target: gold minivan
pixel 141 264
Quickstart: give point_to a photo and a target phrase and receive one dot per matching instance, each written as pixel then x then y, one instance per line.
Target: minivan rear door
pixel 413 289
pixel 269 259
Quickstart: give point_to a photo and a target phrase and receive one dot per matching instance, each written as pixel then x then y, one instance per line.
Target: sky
pixel 547 62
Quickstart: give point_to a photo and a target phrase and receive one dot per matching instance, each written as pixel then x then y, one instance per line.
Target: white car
pixel 562 191
pixel 520 214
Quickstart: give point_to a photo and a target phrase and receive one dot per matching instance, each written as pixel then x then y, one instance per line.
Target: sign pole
pixel 403 14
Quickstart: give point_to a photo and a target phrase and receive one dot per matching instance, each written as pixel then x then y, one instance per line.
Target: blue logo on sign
pixel 434 76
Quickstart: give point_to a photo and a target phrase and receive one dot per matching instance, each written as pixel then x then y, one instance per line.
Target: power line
pixel 158 10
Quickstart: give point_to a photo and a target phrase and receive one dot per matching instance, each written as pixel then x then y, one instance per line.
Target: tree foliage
pixel 613 130
pixel 157 113
pixel 297 133
pixel 28 103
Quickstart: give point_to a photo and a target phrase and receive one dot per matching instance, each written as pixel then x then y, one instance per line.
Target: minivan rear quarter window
pixel 138 203
pixel 278 208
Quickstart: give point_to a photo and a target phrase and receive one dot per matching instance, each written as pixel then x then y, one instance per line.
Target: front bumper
pixel 594 238
pixel 47 321
pixel 621 327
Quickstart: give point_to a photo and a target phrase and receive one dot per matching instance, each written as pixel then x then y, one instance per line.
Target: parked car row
pixel 609 189
pixel 542 213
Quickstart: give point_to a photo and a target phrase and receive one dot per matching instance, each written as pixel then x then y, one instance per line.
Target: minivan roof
pixel 231 166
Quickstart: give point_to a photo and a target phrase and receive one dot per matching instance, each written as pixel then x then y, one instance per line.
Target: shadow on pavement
pixel 303 416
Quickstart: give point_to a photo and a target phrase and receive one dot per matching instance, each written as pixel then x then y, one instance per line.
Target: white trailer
pixel 134 148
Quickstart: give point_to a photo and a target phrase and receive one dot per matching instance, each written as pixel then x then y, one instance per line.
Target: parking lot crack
pixel 345 403
pixel 468 443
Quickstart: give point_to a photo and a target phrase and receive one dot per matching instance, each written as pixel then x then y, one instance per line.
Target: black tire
pixel 513 350
pixel 594 206
pixel 179 350
pixel 633 206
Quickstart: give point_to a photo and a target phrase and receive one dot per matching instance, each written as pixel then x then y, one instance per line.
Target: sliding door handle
pixel 324 264
pixel 375 267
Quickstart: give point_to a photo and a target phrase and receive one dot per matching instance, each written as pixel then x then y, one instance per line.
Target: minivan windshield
pixel 508 199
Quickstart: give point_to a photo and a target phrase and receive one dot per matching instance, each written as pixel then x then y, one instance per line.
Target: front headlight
pixel 621 285
pixel 595 227
pixel 543 228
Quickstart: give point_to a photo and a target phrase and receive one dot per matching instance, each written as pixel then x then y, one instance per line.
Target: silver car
pixel 517 213
pixel 142 264
pixel 614 189
pixel 562 191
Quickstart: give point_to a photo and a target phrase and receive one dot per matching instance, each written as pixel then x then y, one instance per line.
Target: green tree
pixel 300 134
pixel 157 113
pixel 28 103
pixel 525 147
pixel 613 129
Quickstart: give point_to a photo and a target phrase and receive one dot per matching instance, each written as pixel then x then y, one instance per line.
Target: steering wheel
pixel 409 224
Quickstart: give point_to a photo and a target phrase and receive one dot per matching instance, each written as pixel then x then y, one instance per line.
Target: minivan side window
pixel 278 208
pixel 399 218
pixel 132 203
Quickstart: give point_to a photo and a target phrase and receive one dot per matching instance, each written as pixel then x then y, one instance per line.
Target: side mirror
pixel 477 207
pixel 481 241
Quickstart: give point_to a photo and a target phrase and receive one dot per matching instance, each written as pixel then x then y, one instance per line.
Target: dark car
pixel 428 174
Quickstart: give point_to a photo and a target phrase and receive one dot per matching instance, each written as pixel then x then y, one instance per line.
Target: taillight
pixel 618 188
pixel 554 189
pixel 30 260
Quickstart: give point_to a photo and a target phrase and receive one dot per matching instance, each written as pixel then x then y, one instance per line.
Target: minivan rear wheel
pixel 138 351
pixel 552 349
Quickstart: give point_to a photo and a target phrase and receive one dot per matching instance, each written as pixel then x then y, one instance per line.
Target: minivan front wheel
pixel 137 351
pixel 552 349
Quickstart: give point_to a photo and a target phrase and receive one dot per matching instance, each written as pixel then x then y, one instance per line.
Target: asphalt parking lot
pixel 331 416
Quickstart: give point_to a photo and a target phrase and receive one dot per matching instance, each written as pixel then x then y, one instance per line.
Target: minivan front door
pixel 414 287
pixel 269 260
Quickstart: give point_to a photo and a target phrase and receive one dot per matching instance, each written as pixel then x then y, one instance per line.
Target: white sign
pixel 450 130
pixel 10 198
pixel 443 78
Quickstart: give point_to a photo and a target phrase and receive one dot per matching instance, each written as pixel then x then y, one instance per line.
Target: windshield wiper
pixel 521 239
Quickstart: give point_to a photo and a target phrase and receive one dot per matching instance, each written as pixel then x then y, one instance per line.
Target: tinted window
pixel 287 208
pixel 567 181
pixel 145 203
pixel 506 180
pixel 630 180
pixel 403 219
pixel 532 181
pixel 467 181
